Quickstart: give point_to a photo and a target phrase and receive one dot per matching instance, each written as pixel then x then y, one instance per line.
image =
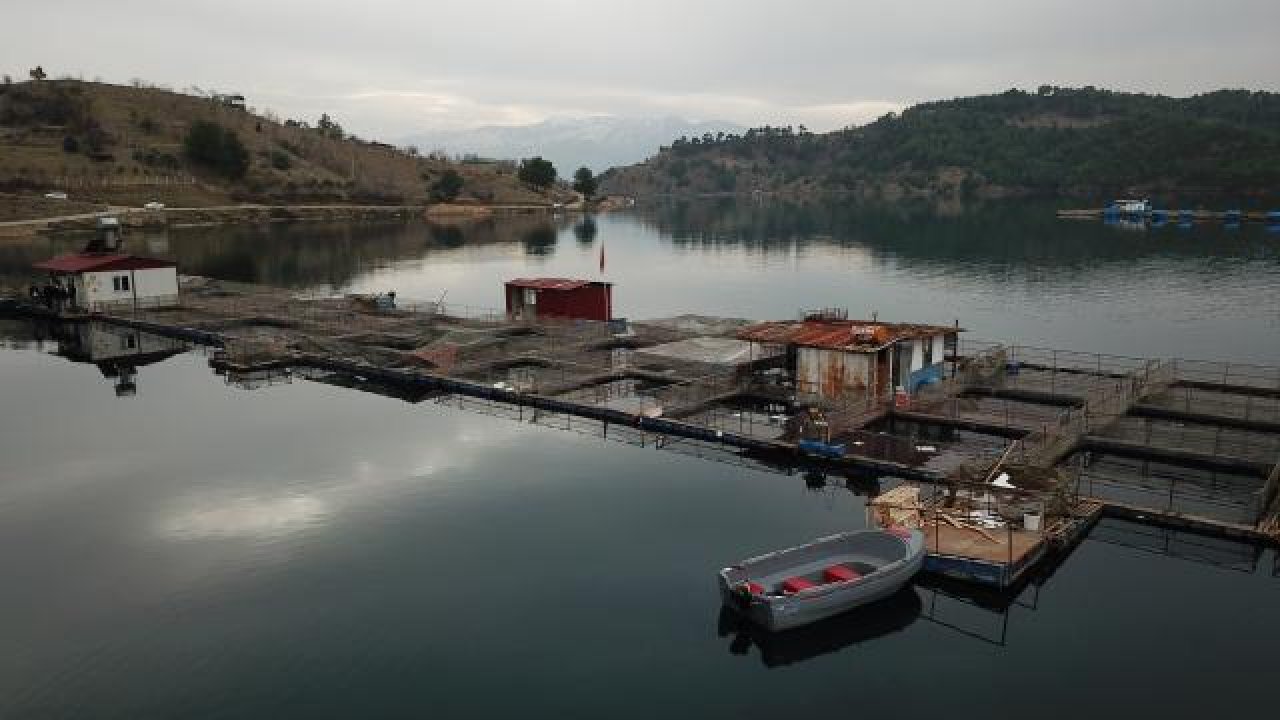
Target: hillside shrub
pixel 447 188
pixel 537 172
pixel 217 148
pixel 280 160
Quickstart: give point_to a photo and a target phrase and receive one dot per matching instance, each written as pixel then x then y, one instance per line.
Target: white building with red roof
pixel 95 281
pixel 101 277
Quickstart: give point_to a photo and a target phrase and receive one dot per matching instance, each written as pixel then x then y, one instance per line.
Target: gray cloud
pixel 393 67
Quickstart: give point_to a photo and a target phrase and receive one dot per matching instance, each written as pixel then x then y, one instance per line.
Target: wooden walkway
pixel 1216 417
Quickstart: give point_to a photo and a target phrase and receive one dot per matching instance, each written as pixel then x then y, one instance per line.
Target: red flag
pixel 602 257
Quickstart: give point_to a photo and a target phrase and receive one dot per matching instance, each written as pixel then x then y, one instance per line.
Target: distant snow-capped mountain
pixel 598 142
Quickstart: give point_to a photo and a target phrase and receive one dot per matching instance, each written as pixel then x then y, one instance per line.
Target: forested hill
pixel 1052 141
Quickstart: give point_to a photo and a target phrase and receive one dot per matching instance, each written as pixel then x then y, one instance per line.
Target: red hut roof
pixel 100 262
pixel 552 283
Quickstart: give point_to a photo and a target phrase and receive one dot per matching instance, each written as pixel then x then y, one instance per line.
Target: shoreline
pixel 184 217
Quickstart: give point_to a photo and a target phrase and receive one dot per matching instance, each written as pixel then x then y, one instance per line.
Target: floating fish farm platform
pixel 1004 454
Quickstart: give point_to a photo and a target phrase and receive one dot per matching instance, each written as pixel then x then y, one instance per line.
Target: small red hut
pixel 531 298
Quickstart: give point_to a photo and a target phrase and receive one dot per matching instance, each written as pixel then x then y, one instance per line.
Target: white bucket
pixel 1031 522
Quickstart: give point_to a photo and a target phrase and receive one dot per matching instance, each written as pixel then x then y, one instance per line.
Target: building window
pixel 120 283
pixel 927 349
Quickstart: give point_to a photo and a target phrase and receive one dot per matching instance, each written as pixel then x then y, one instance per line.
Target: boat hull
pixel 896 560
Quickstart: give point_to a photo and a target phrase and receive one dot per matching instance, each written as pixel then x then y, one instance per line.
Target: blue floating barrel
pixel 821 449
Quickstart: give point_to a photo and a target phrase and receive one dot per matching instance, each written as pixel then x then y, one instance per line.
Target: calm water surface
pixel 199 550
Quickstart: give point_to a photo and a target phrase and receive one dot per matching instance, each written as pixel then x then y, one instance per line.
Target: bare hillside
pixel 126 145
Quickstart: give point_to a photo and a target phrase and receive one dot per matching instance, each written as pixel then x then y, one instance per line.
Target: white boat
pixel 1132 207
pixel 800 585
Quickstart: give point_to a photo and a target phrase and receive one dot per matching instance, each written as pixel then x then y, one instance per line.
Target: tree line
pixel 1053 139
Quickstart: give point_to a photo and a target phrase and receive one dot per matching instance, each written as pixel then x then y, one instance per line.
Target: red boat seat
pixel 840 573
pixel 755 588
pixel 793 585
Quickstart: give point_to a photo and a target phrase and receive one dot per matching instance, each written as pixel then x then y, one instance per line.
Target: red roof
pixel 551 283
pixel 850 335
pixel 100 262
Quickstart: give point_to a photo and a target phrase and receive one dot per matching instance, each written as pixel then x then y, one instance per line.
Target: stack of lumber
pixel 961 524
pixel 898 506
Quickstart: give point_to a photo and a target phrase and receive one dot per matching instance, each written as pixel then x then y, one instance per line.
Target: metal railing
pixel 135 305
pixel 1166 488
pixel 1227 373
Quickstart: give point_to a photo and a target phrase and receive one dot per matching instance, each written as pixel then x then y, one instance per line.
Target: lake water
pixel 200 550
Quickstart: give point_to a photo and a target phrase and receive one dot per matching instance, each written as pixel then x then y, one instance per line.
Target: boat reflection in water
pixel 884 617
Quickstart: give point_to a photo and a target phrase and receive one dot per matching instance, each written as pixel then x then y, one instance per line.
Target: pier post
pixel 1009 540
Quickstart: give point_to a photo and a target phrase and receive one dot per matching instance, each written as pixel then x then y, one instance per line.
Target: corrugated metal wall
pixel 833 374
pixel 590 302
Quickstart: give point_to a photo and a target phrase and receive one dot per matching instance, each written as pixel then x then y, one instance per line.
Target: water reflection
pixel 540 239
pixel 255 518
pixel 994 235
pixel 325 256
pixel 1221 553
pixel 993 240
pixel 117 352
pixel 870 622
pixel 585 230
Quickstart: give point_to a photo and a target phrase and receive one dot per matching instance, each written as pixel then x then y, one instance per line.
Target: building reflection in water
pixel 115 350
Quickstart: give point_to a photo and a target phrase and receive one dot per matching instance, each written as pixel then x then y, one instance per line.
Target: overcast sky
pixel 387 68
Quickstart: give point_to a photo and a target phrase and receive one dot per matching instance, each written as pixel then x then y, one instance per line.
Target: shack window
pixel 927 350
pixel 120 283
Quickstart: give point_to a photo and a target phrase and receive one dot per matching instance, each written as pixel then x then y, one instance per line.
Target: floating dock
pixel 1177 217
pixel 1179 444
pixel 990 552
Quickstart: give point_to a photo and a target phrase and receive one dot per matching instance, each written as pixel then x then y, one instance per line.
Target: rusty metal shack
pixel 834 358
